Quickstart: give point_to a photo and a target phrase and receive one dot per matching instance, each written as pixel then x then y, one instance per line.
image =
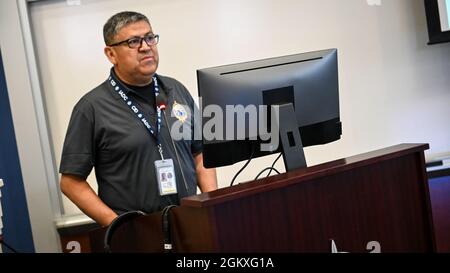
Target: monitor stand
pixel 291 142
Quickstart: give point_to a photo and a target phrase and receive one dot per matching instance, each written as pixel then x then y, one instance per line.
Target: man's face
pixel 134 66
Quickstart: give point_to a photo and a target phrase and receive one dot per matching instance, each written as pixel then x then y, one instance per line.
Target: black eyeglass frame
pixel 154 37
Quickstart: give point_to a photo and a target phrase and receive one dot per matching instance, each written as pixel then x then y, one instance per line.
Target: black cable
pixel 273 164
pixel 268 168
pixel 115 224
pixel 2 242
pixel 176 153
pixel 168 245
pixel 243 167
pixel 161 102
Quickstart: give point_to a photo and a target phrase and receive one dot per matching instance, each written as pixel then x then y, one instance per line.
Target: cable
pixel 243 167
pixel 273 164
pixel 161 101
pixel 116 223
pixel 268 168
pixel 2 242
pixel 168 245
pixel 176 154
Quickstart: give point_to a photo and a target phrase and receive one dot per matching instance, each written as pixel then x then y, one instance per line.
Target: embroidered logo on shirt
pixel 179 112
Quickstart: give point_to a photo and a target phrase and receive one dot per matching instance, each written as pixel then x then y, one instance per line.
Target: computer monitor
pixel 300 91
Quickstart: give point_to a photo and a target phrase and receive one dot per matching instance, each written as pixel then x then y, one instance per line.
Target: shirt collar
pixel 161 82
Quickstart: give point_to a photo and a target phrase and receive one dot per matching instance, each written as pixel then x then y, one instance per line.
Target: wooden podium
pixel 377 201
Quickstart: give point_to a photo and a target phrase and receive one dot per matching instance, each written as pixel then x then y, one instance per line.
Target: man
pixel 118 129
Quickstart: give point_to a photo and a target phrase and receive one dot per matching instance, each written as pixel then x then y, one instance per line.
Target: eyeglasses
pixel 136 42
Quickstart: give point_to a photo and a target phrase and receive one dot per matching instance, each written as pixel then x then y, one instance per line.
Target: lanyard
pixel 119 88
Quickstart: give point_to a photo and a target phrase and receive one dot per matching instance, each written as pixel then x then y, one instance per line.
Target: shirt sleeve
pixel 197 136
pixel 78 152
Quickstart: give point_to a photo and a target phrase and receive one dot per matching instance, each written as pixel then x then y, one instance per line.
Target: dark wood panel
pixel 381 203
pixel 142 234
pixel 282 180
pixel 380 196
pixel 440 202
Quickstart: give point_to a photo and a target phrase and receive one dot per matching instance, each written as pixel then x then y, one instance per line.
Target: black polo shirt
pixel 104 133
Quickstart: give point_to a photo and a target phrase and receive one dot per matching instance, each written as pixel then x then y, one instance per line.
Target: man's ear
pixel 110 54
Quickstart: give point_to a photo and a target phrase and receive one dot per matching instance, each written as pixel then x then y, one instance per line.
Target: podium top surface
pixel 304 174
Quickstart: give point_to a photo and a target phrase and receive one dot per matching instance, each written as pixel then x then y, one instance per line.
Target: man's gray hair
pixel 118 21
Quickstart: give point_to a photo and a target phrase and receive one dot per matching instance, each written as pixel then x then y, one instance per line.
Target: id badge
pixel 165 175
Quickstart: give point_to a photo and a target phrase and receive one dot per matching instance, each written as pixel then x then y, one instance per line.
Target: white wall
pixel 393 87
pixel 444 13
